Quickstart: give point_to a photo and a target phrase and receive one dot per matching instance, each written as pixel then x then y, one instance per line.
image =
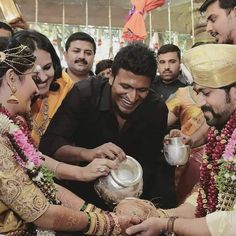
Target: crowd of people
pixel 63 128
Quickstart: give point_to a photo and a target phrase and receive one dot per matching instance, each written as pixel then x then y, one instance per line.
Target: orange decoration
pixel 134 29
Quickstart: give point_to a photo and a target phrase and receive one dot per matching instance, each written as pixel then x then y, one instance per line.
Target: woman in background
pixel 53 85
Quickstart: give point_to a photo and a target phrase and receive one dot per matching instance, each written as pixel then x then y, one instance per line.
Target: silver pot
pixel 125 181
pixel 175 152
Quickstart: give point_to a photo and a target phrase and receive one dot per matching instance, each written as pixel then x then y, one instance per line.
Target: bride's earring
pixel 12 99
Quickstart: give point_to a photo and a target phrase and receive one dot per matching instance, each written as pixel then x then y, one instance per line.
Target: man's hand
pixel 97 168
pixel 107 150
pixel 151 227
pixel 127 221
pixel 177 133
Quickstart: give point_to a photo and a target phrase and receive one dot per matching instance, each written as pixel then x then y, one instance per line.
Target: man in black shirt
pixel 170 78
pixel 97 119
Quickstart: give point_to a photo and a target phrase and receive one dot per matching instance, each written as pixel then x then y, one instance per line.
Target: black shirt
pixel 165 90
pixel 86 119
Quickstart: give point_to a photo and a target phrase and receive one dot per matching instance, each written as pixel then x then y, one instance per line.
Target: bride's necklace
pixel 27 155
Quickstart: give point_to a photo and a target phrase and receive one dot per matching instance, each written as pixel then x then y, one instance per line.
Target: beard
pixel 227 40
pixel 218 120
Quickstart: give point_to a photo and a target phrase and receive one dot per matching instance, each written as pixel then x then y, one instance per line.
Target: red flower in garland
pixel 208 192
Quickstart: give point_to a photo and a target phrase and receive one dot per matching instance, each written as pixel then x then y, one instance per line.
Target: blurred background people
pixel 103 68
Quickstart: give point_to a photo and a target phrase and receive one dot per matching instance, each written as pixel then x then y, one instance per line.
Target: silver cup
pixel 175 152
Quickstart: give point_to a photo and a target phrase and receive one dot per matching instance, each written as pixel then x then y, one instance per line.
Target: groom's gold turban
pixel 212 65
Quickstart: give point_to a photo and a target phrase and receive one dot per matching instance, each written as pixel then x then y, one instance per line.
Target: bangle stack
pixel 102 224
pixel 91 208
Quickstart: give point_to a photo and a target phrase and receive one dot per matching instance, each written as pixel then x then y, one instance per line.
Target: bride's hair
pixel 17 57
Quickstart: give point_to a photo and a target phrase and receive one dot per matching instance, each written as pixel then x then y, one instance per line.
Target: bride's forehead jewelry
pixel 2 56
pixel 17 56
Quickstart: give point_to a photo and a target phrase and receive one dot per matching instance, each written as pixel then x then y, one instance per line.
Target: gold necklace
pixel 40 128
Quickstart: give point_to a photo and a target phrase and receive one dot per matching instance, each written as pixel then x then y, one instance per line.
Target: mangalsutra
pixel 40 128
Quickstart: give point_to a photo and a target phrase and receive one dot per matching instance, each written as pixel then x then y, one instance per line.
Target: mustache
pixel 167 70
pixel 207 108
pixel 81 61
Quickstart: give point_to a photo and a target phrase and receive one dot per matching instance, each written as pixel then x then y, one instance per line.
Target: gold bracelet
pixel 170 226
pixel 55 170
pixel 89 222
pixel 101 230
pixel 163 213
pixel 91 208
pixel 116 229
pixel 97 224
pixel 92 222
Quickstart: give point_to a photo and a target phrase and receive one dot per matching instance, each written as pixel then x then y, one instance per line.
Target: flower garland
pixel 217 165
pixel 27 155
pixel 226 178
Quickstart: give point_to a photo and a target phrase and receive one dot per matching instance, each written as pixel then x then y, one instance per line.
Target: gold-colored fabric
pixel 20 200
pixel 41 117
pixel 9 221
pixel 183 105
pixel 222 223
pixel 212 65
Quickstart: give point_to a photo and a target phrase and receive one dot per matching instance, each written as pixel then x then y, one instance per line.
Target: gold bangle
pixel 117 229
pixel 92 208
pixel 89 222
pixel 92 221
pixel 89 208
pixel 55 170
pixel 162 213
pixel 101 225
pixel 170 225
pixel 165 214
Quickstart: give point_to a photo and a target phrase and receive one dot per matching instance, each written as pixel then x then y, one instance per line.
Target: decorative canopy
pixel 134 29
